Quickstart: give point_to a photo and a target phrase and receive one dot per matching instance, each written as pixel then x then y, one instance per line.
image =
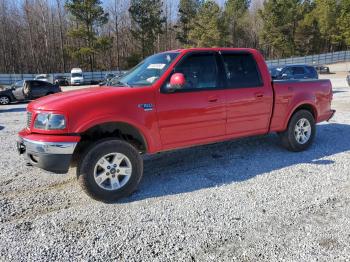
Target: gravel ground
pixel 244 200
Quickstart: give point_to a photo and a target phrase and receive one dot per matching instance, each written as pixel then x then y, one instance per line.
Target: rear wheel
pixel 4 100
pixel 111 169
pixel 300 133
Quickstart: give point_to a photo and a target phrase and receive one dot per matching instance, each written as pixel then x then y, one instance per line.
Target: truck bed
pixel 290 94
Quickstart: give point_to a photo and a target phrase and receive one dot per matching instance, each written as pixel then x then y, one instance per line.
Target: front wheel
pixel 300 133
pixel 111 169
pixel 4 100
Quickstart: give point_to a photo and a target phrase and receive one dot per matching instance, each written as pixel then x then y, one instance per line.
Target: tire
pixel 99 167
pixel 4 100
pixel 297 137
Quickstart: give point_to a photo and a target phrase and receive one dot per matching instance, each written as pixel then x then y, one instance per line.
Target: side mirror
pixel 284 76
pixel 177 81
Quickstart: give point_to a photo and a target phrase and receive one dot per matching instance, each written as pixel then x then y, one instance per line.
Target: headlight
pixel 48 121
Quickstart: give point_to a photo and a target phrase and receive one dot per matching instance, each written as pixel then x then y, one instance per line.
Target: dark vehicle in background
pixel 109 76
pixel 44 77
pixel 27 90
pixel 289 72
pixel 322 69
pixel 348 80
pixel 61 80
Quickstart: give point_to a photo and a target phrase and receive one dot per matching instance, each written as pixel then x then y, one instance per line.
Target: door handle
pixel 259 95
pixel 212 99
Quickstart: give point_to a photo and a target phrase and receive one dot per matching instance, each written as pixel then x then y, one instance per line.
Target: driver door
pixel 18 92
pixel 196 113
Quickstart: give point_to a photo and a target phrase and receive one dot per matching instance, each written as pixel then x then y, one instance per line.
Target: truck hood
pixel 65 101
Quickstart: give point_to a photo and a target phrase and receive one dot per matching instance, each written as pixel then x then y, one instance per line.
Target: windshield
pixel 147 72
pixel 18 84
pixel 275 71
pixel 77 75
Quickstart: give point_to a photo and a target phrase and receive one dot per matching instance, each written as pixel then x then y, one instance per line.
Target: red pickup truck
pixel 170 100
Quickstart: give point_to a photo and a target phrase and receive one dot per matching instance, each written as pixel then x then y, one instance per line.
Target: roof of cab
pixel 193 49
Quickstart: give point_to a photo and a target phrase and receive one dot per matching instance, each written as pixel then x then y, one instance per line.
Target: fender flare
pixel 307 103
pixel 112 119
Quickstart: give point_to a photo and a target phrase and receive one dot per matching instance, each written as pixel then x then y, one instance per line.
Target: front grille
pixel 29 119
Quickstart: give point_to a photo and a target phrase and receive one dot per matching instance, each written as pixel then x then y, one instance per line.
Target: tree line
pixel 55 35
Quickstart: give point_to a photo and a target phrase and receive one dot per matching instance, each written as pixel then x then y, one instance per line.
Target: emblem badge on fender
pixel 146 107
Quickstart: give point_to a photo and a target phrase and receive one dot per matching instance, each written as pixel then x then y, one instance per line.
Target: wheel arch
pixel 119 130
pixel 308 106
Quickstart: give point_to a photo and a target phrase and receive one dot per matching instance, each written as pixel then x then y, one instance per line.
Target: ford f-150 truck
pixel 171 100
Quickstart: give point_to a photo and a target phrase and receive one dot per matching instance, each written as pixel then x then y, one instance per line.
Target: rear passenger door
pixel 39 88
pixel 248 99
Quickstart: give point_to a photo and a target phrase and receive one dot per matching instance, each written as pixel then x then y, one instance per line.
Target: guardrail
pixel 321 59
pixel 8 79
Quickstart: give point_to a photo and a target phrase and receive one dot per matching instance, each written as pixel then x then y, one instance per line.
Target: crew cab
pixel 171 100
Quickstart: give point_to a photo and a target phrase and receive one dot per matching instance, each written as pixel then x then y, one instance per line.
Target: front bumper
pixel 51 156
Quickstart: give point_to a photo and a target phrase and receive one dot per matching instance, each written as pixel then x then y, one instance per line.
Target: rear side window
pixel 241 70
pixel 312 70
pixel 40 84
pixel 298 70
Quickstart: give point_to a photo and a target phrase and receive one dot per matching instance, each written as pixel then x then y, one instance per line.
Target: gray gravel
pixel 243 200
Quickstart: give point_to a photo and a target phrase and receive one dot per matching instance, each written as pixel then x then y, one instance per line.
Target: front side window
pixel 288 72
pixel 18 84
pixel 298 70
pixel 241 70
pixel 147 72
pixel 200 71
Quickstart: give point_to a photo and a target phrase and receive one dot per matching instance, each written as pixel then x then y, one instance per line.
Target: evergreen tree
pixel 326 12
pixel 308 36
pixel 187 11
pixel 207 26
pixel 147 23
pixel 343 21
pixel 89 16
pixel 236 12
pixel 280 22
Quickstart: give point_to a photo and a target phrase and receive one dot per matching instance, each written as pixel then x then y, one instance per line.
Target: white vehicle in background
pixel 44 77
pixel 76 77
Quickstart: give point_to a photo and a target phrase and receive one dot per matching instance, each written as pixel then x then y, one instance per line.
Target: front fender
pixel 152 144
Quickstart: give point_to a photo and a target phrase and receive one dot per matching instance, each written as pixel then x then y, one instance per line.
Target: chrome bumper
pixel 51 156
pixel 57 148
